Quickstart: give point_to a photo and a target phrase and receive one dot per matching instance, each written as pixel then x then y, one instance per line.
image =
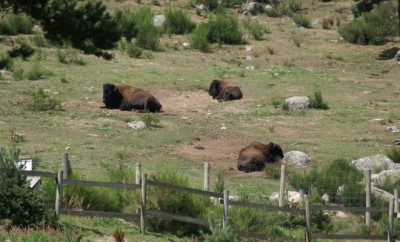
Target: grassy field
pixel 357 82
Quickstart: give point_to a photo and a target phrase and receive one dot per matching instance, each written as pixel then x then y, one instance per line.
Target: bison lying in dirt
pixel 126 98
pixel 256 155
pixel 224 90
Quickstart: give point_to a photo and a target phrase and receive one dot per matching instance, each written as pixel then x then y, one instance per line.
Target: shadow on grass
pixel 388 54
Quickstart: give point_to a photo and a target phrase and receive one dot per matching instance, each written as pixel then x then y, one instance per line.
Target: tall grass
pixel 13 24
pixel 177 22
pixel 199 38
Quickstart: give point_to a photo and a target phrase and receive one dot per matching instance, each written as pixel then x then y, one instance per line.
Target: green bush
pixel 219 234
pixel 13 24
pixel 69 55
pixel 37 72
pixel 6 62
pixel 199 38
pixel 255 29
pixel 18 203
pixel 177 22
pixel 373 27
pixel 39 40
pixel 127 22
pixel 394 154
pixel 219 185
pixel 43 102
pixel 86 25
pixel 301 20
pixel 327 23
pixel 317 101
pixel 151 119
pixel 148 36
pixel 18 74
pixel 175 202
pixel 327 180
pixel 133 50
pixel 224 29
pixel 24 50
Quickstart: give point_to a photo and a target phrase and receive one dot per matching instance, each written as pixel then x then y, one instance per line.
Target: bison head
pixel 214 89
pixel 111 96
pixel 275 152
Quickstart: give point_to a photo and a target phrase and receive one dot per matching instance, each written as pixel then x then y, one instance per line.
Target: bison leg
pixel 125 107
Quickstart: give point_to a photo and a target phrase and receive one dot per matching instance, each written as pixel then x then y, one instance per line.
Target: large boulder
pixel 375 163
pixel 296 158
pixel 387 176
pixel 298 103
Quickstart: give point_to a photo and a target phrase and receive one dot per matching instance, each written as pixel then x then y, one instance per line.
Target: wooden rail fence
pixel 142 184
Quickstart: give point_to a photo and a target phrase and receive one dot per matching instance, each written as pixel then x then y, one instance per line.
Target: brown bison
pixel 224 90
pixel 256 155
pixel 126 98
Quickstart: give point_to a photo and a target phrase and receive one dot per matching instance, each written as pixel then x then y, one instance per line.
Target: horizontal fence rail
pixel 184 189
pixel 268 207
pixel 180 218
pixel 100 184
pixel 349 236
pixel 99 214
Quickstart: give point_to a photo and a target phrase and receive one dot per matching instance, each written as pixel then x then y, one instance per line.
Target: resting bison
pixel 255 156
pixel 126 98
pixel 224 90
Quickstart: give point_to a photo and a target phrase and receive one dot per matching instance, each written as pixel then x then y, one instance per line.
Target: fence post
pixel 391 218
pixel 138 173
pixel 282 187
pixel 368 197
pixel 308 221
pixel 207 176
pixel 59 192
pixel 143 205
pixel 66 166
pixel 396 201
pixel 301 191
pixel 226 203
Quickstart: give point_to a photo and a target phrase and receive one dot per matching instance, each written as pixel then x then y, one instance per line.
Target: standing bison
pixel 126 98
pixel 224 90
pixel 256 155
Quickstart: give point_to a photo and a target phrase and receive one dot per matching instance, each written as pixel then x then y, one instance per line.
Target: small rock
pixel 393 129
pixel 137 125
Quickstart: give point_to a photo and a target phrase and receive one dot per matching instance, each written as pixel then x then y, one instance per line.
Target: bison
pixel 126 98
pixel 224 90
pixel 256 155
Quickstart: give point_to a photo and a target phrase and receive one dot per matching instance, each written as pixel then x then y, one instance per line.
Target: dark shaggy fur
pixel 126 98
pixel 224 90
pixel 255 156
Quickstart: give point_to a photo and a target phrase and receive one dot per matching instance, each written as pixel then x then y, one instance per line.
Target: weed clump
pixel 317 102
pixel 394 154
pixel 41 101
pixel 177 22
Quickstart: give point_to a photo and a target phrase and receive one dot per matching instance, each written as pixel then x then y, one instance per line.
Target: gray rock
pixel 298 103
pixel 393 129
pixel 375 163
pixel 297 158
pixel 159 21
pixel 391 175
